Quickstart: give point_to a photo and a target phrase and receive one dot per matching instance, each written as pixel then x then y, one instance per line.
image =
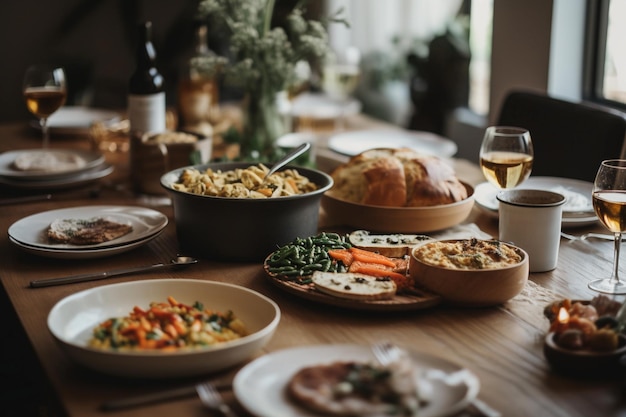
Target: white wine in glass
pixel 506 156
pixel 45 91
pixel 609 203
pixel 341 73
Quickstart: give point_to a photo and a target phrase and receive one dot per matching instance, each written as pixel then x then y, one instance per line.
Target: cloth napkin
pixel 462 231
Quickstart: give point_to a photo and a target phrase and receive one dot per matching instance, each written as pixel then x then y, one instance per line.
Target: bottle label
pixel 146 113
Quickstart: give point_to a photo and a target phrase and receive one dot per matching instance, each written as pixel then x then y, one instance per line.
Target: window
pixel 607 75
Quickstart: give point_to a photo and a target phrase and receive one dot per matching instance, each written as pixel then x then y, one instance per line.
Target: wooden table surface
pixel 502 345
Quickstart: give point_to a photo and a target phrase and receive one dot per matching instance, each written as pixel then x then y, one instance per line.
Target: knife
pixel 156 397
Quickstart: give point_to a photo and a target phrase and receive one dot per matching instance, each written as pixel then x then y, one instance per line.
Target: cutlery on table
pixel 157 397
pixel 588 236
pixel 26 199
pixel 213 400
pixel 180 261
pixel 387 353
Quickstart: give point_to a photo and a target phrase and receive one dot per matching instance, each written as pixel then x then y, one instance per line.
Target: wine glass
pixel 609 203
pixel 506 156
pixel 341 72
pixel 45 91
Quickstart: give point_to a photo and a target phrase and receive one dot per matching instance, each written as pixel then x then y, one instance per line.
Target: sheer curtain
pixel 373 26
pixel 373 23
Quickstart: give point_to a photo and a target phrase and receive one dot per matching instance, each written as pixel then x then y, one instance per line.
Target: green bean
pixel 280 269
pixel 303 256
pixel 293 272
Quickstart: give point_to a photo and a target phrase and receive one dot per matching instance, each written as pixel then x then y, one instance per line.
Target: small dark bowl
pixel 585 363
pixel 243 229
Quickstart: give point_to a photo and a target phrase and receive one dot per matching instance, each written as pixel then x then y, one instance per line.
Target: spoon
pixel 293 154
pixel 180 261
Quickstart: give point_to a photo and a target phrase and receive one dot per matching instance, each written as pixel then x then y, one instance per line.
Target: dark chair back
pixel 569 139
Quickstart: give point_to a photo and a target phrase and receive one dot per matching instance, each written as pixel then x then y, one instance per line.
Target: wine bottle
pixel 197 88
pixel 146 99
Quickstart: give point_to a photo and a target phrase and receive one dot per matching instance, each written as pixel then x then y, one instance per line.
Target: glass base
pixel 608 286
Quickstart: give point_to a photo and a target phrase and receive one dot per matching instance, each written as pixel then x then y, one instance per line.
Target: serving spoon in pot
pixel 293 154
pixel 179 261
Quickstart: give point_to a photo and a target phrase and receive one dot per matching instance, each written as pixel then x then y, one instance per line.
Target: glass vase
pixel 264 123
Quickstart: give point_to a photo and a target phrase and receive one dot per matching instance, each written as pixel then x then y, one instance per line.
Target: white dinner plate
pixel 82 254
pixel 260 386
pixel 76 120
pixel 8 171
pixel 355 142
pixel 31 230
pixel 80 178
pixel 321 106
pixel 577 210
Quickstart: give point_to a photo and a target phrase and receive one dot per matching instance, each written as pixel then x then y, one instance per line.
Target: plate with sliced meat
pixel 266 386
pixel 87 229
pixel 328 269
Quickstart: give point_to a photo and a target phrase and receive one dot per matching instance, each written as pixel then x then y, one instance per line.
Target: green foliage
pixel 262 57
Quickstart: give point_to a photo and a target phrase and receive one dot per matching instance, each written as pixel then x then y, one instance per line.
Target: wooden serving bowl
pixel 585 363
pixel 470 287
pixel 340 212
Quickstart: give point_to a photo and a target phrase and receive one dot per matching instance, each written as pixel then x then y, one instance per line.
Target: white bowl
pixel 71 322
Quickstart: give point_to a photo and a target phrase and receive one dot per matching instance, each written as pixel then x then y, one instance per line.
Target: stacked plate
pixel 30 233
pixel 51 168
pixel 578 207
pixel 355 142
pixel 77 120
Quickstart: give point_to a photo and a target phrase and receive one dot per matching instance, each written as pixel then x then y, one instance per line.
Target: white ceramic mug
pixel 531 219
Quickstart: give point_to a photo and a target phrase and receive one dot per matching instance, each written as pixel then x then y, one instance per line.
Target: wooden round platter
pixel 417 300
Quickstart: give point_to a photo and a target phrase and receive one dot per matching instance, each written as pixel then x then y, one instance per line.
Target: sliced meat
pixel 86 232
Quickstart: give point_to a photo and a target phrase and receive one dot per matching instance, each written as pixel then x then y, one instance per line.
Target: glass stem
pixel 44 130
pixel 618 245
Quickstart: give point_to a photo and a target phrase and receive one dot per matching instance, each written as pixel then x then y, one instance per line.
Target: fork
pixel 589 236
pixel 386 353
pixel 212 399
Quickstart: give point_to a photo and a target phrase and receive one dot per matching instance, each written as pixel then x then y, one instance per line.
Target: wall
pixel 520 56
pixel 96 47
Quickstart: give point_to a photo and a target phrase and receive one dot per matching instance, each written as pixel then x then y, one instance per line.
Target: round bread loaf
pixel 397 178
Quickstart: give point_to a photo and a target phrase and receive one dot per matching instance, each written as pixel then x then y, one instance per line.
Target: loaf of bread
pixel 397 178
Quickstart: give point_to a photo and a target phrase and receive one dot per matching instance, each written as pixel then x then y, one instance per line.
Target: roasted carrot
pixel 374 270
pixel 371 257
pixel 343 255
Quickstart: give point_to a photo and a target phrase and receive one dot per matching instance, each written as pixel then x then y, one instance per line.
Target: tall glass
pixel 506 156
pixel 45 91
pixel 341 73
pixel 609 203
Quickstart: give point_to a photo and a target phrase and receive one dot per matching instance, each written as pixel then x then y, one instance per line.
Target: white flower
pixel 262 57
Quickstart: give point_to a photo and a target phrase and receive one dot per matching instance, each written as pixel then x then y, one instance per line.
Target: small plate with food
pixel 47 164
pixel 279 383
pixel 59 183
pixel 586 338
pixel 359 271
pixel 87 228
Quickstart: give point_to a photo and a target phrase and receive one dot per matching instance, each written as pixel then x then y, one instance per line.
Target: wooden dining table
pixel 502 345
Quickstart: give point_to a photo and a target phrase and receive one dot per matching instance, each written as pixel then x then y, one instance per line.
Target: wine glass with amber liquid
pixel 609 203
pixel 45 91
pixel 506 156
